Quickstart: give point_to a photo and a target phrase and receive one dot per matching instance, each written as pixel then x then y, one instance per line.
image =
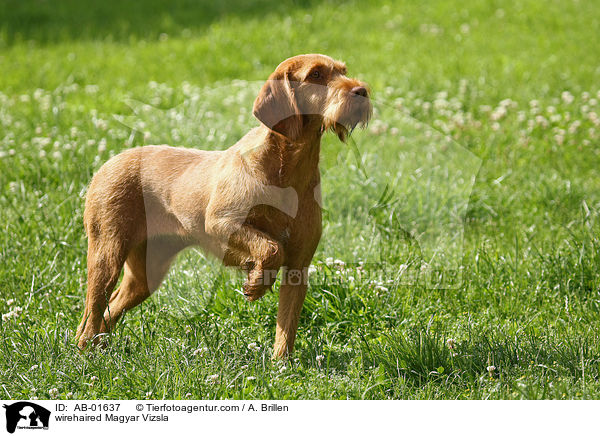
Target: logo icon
pixel 26 415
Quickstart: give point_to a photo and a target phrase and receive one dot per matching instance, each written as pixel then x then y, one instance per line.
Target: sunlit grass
pixel 505 94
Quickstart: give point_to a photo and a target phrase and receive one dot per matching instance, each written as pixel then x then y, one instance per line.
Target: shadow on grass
pixel 47 21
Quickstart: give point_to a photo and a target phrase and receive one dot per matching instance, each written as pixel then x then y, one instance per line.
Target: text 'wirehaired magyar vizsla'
pixel 255 205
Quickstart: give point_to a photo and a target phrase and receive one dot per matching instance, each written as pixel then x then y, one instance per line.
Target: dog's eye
pixel 315 74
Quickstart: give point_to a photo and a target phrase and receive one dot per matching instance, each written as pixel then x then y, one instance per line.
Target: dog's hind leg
pixel 104 266
pixel 145 268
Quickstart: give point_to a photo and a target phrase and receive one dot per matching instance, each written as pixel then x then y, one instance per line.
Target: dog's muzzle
pixel 360 108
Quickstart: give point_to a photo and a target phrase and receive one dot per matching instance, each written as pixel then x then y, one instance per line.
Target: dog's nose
pixel 359 90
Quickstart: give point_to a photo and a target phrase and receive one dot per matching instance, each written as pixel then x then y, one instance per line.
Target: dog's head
pixel 308 87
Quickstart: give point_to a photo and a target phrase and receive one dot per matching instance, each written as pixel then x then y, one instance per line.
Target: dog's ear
pixel 276 106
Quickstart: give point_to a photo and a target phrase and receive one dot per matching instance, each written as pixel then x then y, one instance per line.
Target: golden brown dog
pixel 255 205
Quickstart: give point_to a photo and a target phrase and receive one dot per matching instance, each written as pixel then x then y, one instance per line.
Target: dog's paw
pixel 258 283
pixel 253 293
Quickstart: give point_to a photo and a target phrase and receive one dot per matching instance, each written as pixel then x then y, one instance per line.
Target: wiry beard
pixel 344 123
pixel 344 112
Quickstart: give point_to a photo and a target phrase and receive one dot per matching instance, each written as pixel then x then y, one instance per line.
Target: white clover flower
pixel 253 346
pixel 212 379
pixel 451 343
pixel 574 126
pixel 200 351
pixel 148 394
pixel 499 113
pixel 378 127
pixel 555 118
pixel 102 145
pixel 244 367
pixel 69 395
pixel 101 124
pixel 491 368
pixel 34 367
pixel 567 97
pixel 312 269
pixel 320 358
pixel 14 313
pixel 53 393
pixel 440 103
pixel 507 102
pixel 188 395
pixel 250 378
pixel 339 262
pixel 541 120
pixel 94 378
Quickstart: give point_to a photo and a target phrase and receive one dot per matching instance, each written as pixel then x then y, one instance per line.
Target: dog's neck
pixel 289 162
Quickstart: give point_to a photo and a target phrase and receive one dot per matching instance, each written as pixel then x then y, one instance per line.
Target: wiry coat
pixel 255 205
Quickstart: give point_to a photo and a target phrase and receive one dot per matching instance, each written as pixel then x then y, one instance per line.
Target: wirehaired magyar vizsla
pixel 255 205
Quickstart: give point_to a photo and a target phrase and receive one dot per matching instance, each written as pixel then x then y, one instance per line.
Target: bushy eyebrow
pixel 312 68
pixel 337 66
pixel 317 65
pixel 341 67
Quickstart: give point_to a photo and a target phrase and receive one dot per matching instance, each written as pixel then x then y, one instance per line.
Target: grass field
pixel 485 146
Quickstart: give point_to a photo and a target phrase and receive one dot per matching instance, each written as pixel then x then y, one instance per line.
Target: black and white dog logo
pixel 26 415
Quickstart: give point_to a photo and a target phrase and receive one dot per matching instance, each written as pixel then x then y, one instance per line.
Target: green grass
pixel 516 88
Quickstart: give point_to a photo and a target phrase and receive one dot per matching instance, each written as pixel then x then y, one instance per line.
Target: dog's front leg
pixel 253 250
pixel 291 298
